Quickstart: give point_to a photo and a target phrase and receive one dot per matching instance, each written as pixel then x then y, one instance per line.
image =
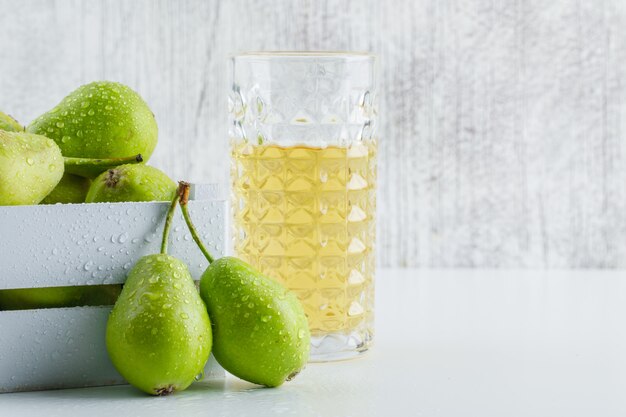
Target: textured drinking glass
pixel 303 177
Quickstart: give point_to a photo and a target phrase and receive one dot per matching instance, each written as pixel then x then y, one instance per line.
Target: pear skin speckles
pixel 260 329
pixel 99 120
pixel 158 342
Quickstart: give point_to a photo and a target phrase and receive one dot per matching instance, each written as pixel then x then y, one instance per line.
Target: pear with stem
pixel 261 333
pixel 136 182
pixel 158 334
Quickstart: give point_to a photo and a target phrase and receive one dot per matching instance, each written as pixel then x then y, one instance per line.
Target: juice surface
pixel 306 216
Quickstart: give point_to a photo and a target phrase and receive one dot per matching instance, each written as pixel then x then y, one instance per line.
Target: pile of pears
pixel 89 148
pixel 92 147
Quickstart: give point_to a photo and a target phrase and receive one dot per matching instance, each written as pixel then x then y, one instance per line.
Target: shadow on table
pixel 126 392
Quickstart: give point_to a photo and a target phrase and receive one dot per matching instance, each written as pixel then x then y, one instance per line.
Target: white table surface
pixel 448 343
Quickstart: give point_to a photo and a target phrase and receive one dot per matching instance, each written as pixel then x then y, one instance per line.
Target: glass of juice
pixel 303 181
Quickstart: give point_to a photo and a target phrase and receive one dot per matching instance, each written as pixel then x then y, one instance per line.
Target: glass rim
pixel 304 54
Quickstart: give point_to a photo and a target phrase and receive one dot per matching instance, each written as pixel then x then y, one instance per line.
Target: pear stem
pixel 103 161
pixel 183 195
pixel 168 224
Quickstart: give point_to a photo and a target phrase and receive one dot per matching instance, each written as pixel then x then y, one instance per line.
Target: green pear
pixel 55 297
pixel 9 124
pixel 158 334
pixel 99 120
pixel 261 333
pixel 131 183
pixel 71 189
pixel 30 167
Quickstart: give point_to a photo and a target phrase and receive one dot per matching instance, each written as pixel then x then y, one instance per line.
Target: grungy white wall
pixel 503 122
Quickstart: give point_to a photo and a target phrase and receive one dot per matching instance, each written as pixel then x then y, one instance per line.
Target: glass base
pixel 340 346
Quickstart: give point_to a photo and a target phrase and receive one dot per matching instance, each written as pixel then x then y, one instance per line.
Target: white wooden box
pixel 86 244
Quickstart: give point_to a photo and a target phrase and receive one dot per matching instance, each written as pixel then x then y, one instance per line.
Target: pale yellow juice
pixel 306 216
